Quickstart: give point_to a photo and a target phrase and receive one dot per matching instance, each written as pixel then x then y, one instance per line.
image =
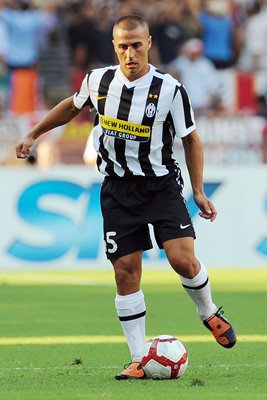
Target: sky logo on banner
pixel 65 233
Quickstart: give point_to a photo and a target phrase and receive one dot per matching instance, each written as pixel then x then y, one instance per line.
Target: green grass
pixel 55 305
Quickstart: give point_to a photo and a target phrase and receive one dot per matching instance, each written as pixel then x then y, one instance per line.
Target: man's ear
pixel 114 46
pixel 149 41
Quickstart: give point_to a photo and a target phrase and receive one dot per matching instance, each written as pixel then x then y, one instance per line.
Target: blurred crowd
pixel 46 46
pixel 216 48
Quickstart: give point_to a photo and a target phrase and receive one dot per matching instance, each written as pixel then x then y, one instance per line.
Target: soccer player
pixel 140 110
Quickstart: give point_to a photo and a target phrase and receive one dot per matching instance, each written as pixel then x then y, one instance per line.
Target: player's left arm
pixel 195 162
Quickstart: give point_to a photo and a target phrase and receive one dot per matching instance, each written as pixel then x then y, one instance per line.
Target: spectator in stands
pixel 89 32
pixel 199 76
pixel 54 67
pixel 190 22
pixel 24 25
pixel 80 18
pixel 219 33
pixel 167 30
pixel 3 69
pixel 101 31
pixel 254 54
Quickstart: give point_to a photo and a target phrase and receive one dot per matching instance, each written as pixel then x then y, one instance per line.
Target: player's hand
pixel 23 149
pixel 207 209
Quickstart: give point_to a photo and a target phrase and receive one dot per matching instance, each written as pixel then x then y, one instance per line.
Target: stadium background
pixel 56 190
pixel 59 335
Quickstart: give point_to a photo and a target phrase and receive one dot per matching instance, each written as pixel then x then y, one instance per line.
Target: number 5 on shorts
pixel 111 242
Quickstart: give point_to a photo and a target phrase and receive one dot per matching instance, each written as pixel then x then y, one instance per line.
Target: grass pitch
pixel 60 337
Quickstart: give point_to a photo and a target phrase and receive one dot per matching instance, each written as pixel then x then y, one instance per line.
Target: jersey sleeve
pixel 182 113
pixel 82 97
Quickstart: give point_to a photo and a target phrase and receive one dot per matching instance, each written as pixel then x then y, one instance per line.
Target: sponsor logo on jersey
pixel 124 130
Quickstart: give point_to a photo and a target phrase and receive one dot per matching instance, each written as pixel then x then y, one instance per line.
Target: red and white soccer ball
pixel 164 357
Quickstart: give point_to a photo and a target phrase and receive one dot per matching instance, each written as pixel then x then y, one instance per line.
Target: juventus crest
pixel 150 110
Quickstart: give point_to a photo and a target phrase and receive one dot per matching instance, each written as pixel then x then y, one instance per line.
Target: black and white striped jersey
pixel 137 121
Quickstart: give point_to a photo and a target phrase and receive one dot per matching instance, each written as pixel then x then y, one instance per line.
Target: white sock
pixel 131 310
pixel 199 290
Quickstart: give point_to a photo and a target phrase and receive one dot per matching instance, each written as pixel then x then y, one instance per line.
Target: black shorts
pixel 130 204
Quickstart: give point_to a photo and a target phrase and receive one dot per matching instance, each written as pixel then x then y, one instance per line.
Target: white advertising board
pixel 51 219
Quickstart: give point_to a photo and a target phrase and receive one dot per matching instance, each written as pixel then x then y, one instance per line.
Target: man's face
pixel 132 48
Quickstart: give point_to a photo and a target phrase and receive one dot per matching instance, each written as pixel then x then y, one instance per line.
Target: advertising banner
pixel 51 219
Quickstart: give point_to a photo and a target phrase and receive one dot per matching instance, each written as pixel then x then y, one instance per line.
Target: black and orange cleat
pixel 133 370
pixel 221 329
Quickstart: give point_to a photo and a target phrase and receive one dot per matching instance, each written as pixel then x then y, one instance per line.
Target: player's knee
pixel 122 276
pixel 125 275
pixel 185 265
pixel 128 270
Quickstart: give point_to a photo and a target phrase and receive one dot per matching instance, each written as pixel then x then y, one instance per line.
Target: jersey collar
pixel 138 82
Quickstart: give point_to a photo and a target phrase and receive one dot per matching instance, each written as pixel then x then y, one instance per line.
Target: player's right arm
pixel 61 114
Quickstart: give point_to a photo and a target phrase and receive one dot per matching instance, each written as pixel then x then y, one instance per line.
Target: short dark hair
pixel 130 22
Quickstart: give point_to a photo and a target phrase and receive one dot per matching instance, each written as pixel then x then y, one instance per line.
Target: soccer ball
pixel 164 357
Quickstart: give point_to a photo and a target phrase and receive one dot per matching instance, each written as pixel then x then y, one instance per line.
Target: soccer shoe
pixel 221 329
pixel 133 370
